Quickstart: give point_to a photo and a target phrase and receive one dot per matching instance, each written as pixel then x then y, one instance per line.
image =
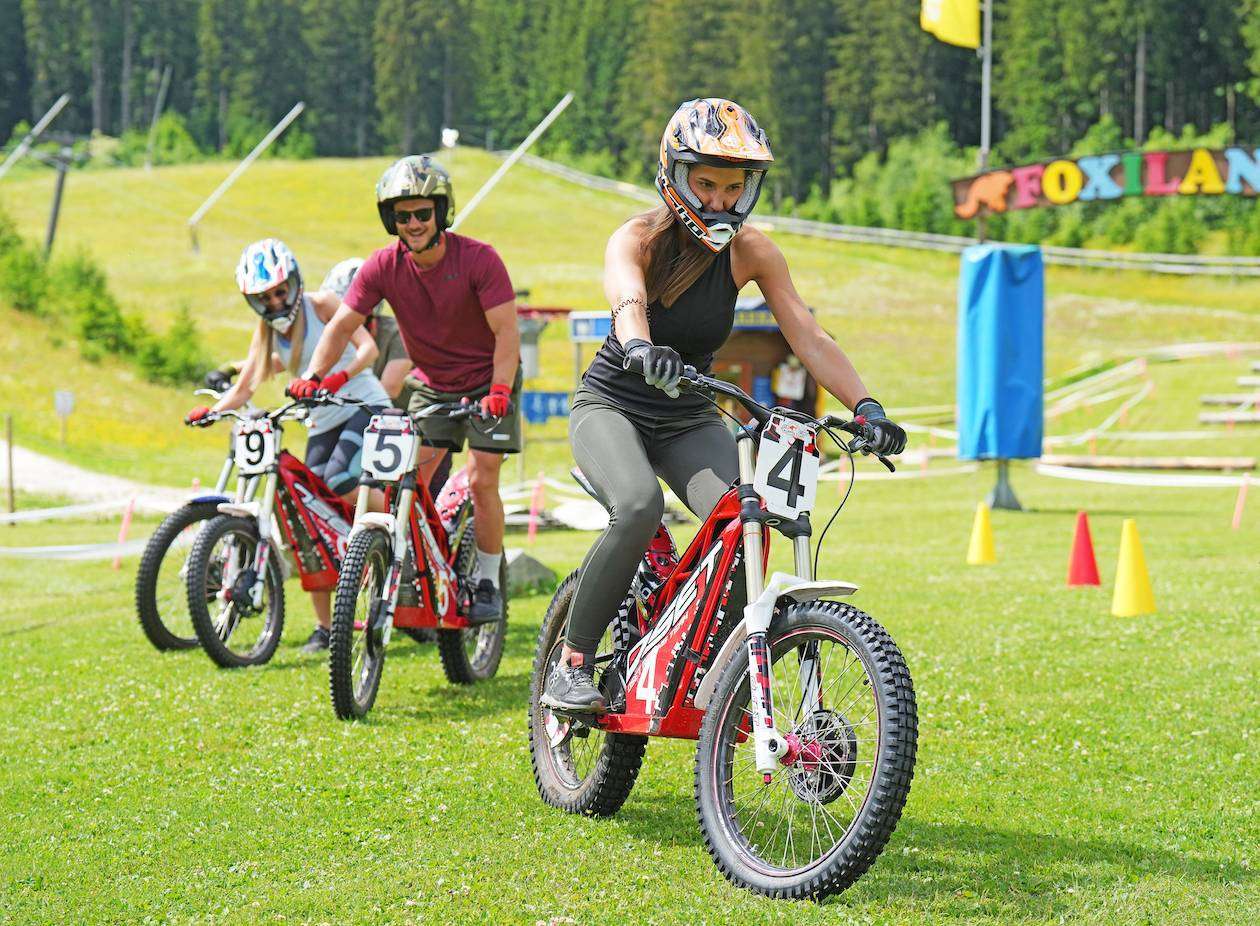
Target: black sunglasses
pixel 404 216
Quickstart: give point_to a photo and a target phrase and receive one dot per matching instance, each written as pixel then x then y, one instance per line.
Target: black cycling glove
pixel 661 366
pixel 887 437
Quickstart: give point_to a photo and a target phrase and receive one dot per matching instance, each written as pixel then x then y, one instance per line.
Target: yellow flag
pixel 954 21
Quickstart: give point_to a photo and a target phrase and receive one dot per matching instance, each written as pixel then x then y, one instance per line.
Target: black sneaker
pixel 317 642
pixel 487 604
pixel 572 688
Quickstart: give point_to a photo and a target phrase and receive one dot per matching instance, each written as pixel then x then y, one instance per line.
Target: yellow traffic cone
pixel 1133 595
pixel 980 551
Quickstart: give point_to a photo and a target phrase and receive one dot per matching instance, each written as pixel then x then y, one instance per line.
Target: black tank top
pixel 696 325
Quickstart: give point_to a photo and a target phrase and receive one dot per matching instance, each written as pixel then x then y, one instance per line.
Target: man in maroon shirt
pixel 456 311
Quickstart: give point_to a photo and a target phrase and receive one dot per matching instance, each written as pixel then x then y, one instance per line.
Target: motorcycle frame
pixel 412 524
pixel 667 687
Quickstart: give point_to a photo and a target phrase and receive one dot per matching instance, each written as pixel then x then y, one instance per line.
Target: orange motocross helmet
pixel 719 133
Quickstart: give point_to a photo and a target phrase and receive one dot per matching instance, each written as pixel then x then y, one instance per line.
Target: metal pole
pixel 8 443
pixel 63 165
pixel 241 168
pixel 512 159
pixel 34 133
pixel 986 92
pixel 157 111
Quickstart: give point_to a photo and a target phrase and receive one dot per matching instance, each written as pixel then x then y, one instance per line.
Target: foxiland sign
pixel 1103 177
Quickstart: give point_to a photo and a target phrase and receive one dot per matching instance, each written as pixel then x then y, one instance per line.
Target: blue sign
pixel 539 406
pixel 589 327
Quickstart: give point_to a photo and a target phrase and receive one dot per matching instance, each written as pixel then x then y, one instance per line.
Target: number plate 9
pixel 787 467
pixel 389 447
pixel 255 447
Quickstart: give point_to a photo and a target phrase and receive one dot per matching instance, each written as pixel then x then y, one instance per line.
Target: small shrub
pixel 174 357
pixel 23 277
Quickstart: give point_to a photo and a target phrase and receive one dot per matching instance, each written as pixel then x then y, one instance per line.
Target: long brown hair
pixel 675 258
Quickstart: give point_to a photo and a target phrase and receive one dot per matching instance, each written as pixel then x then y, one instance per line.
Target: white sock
pixel 488 566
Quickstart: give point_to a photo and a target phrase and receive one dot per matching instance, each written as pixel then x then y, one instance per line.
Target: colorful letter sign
pixel 1203 171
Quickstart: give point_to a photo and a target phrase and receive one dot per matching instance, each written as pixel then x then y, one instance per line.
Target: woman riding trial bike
pixel 671 277
pixel 290 323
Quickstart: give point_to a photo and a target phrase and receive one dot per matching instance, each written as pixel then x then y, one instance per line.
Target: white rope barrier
pixel 1149 480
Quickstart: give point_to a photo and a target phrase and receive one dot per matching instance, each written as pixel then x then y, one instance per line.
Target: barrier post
pixel 123 528
pixel 8 444
pixel 536 505
pixel 1242 500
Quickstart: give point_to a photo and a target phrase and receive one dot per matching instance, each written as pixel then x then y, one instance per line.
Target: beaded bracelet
pixel 629 300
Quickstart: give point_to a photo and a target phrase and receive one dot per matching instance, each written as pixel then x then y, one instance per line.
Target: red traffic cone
pixel 1083 568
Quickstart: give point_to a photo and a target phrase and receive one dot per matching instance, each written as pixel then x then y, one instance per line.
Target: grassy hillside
pixel 893 310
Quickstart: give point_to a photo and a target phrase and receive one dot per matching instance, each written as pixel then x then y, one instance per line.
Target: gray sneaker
pixel 487 604
pixel 317 642
pixel 572 688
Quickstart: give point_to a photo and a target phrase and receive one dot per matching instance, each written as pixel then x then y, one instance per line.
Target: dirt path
pixel 34 472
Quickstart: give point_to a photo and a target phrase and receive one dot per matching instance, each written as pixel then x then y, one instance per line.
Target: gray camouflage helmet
pixel 417 176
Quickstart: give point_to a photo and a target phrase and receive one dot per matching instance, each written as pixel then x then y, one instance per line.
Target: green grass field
pixel 1073 767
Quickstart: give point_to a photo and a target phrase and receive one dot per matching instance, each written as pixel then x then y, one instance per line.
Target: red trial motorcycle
pixel 409 567
pixel 803 707
pixel 237 564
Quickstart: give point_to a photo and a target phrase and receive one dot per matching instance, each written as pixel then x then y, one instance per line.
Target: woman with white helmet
pixel 671 277
pixel 290 322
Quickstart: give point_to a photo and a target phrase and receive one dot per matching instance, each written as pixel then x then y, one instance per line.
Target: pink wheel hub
pixel 807 752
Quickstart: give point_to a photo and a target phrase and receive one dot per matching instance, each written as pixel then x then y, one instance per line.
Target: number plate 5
pixel 787 467
pixel 255 447
pixel 389 447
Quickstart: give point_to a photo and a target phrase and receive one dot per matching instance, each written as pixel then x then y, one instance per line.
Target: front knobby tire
pixel 161 586
pixel 822 821
pixel 473 654
pixel 356 653
pixel 232 636
pixel 591 774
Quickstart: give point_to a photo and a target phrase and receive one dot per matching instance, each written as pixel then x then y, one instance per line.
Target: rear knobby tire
pixel 210 615
pixel 355 658
pixel 868 745
pixel 591 775
pixel 161 593
pixel 473 654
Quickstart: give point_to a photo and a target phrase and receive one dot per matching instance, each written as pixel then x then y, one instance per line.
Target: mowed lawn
pixel 1073 766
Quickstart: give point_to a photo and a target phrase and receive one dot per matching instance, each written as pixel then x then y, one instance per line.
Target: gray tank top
pixel 363 386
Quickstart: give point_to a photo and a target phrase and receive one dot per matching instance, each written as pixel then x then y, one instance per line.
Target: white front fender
pixel 757 615
pixel 251 510
pixel 373 521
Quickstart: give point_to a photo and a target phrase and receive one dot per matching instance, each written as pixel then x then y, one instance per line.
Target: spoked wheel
pixel 844 701
pixel 356 646
pixel 161 580
pixel 577 767
pixel 234 631
pixel 472 654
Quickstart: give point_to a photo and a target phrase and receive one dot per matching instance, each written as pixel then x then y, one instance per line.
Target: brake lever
pixel 860 446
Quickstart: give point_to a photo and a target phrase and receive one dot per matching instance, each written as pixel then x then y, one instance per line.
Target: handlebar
pixel 695 381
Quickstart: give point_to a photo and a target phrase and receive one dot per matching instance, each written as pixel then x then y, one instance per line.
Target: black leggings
pixel 335 455
pixel 622 456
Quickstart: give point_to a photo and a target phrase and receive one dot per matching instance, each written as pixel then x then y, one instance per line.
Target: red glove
pixel 334 381
pixel 303 388
pixel 197 416
pixel 496 404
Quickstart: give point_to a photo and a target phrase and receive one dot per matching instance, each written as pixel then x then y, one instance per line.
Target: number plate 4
pixel 389 447
pixel 255 447
pixel 787 467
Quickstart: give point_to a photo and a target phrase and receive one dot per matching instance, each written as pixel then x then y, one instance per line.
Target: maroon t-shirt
pixel 441 311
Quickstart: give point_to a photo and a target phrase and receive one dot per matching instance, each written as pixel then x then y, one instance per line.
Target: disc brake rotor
pixel 827 759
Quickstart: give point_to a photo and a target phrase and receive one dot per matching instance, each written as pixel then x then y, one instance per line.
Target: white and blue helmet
pixel 265 265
